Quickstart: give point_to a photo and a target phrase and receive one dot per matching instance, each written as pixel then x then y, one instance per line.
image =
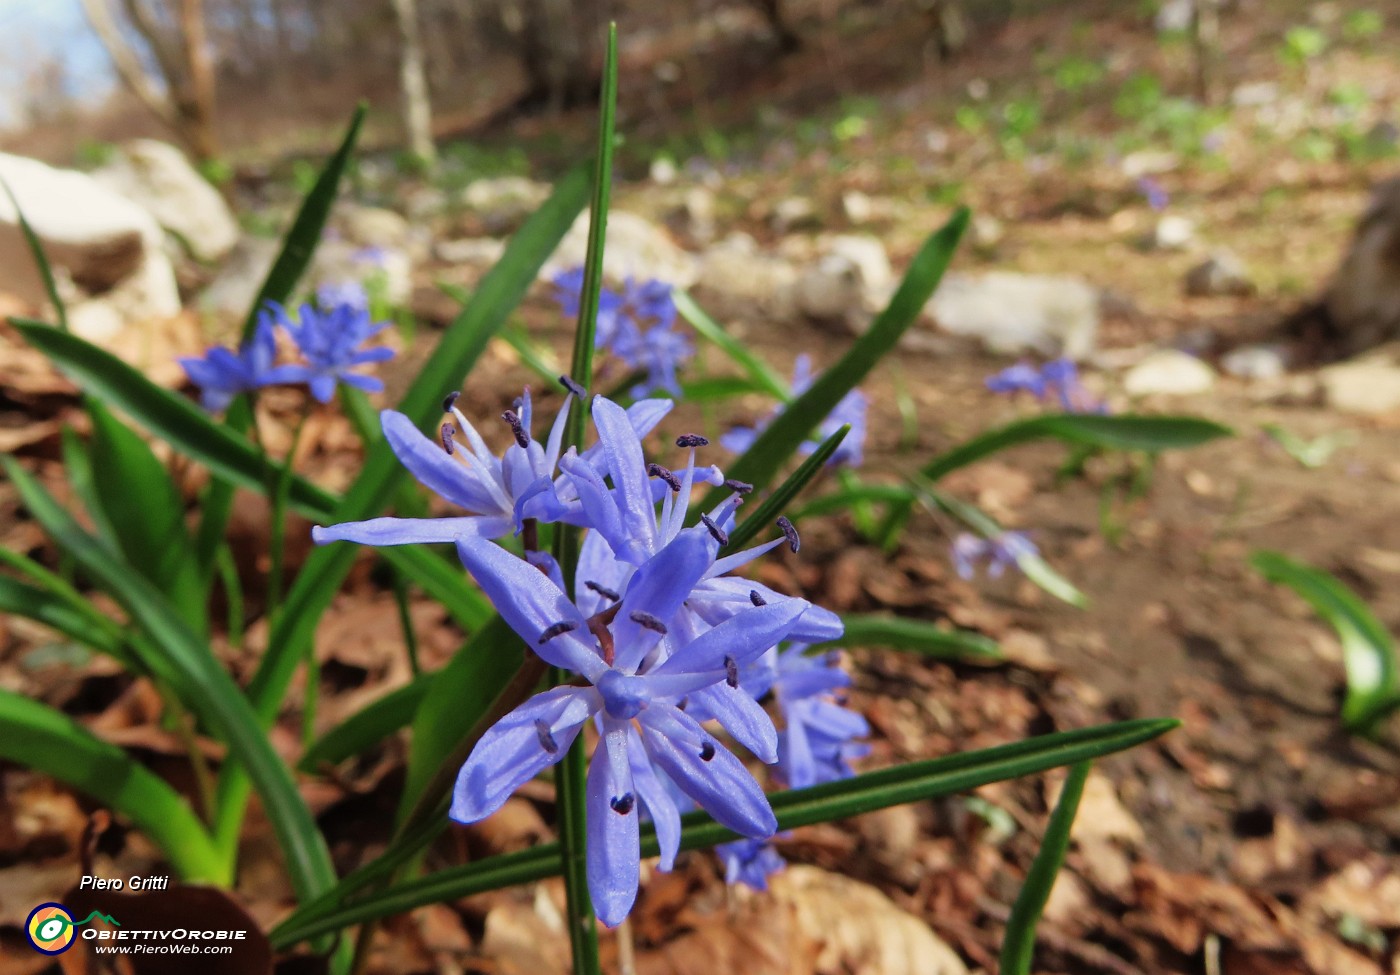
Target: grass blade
pixel 775 503
pixel 916 636
pixel 368 726
pixel 43 606
pixel 1368 650
pixel 835 800
pixel 41 259
pixel 760 374
pixel 39 737
pixel 1018 946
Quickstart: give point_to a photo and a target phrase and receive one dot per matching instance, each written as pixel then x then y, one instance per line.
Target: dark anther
pixel 603 591
pixel 546 738
pixel 731 672
pixel 692 440
pixel 516 427
pixel 716 532
pixel 738 487
pixel 756 599
pixel 681 704
pixel 450 400
pixel 707 751
pixel 648 621
pixel 446 436
pixel 554 629
pixel 789 533
pixel 572 386
pixel 656 470
pixel 622 805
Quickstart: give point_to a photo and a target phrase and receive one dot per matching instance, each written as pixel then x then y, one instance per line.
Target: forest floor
pixel 1259 837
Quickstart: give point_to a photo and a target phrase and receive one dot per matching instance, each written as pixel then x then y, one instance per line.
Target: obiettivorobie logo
pixel 50 928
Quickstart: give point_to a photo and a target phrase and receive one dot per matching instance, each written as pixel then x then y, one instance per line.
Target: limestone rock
pixel 1169 373
pixel 1173 232
pixel 1010 313
pixel 504 202
pixel 1222 273
pixel 636 248
pixel 374 227
pixel 107 250
pixel 1368 387
pixel 157 177
pixel 736 279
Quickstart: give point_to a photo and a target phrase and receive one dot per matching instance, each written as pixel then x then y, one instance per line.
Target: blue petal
pixel 322 387
pixel 628 468
pixel 531 604
pixel 598 565
pixel 657 796
pixel 742 717
pixel 742 637
pixel 614 854
pixel 410 531
pixel 660 587
pixel 432 466
pixel 511 752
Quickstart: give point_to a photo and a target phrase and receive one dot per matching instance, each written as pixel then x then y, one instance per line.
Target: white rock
pixel 340 261
pixel 1172 233
pixel 1174 16
pixel 108 249
pixel 738 280
pixel 1252 94
pixel 234 289
pixel 663 171
pixel 1367 387
pixel 1011 313
pixel 1169 372
pixel 159 178
pixel 1222 273
pixel 794 213
pixel 635 248
pixel 1148 162
pixel 692 214
pixel 857 206
pixel 1256 361
pixel 868 255
pixel 504 202
pixel 830 290
pixel 374 227
pixel 472 251
pixel 986 232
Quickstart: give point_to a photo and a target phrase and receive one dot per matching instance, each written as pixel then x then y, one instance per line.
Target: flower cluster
pixel 330 337
pixel 665 640
pixel 1058 378
pixel 637 324
pixel 998 553
pixel 851 409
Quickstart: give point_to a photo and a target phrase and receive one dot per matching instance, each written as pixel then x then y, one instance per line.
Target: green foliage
pixel 1362 25
pixel 1301 45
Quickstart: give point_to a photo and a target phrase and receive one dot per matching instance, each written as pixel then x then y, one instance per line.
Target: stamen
pixel 647 621
pixel 450 400
pixel 707 751
pixel 622 805
pixel 603 591
pixel 569 383
pixel 692 440
pixel 546 737
pixel 516 427
pixel 738 487
pixel 716 532
pixel 656 470
pixel 756 599
pixel 731 672
pixel 790 533
pixel 556 629
pixel 445 434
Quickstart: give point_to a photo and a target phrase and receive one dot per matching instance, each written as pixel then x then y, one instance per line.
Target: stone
pixel 1256 361
pixel 736 279
pixel 663 171
pixel 1148 162
pixel 1011 313
pixel 503 202
pixel 794 213
pixel 986 232
pixel 1169 372
pixel 1172 233
pixel 234 289
pixel 857 207
pixel 1222 273
pixel 107 251
pixel 1367 387
pixel 341 261
pixel 1174 16
pixel 157 177
pixel 1253 94
pixel 472 251
pixel 850 279
pixel 692 214
pixel 374 227
pixel 636 248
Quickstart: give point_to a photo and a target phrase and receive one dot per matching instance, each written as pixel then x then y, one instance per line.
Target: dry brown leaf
pixel 522 941
pixel 1367 889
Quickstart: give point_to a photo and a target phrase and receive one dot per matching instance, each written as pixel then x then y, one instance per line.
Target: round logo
pixel 49 928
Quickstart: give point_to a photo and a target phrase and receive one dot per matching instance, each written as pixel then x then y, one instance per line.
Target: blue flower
pixel 818 742
pixel 1059 378
pixel 634 694
pixel 1022 377
pixel 851 409
pixel 1006 549
pixel 224 373
pixel 498 492
pixel 750 862
pixel 1152 190
pixel 637 324
pixel 331 341
pixel 331 294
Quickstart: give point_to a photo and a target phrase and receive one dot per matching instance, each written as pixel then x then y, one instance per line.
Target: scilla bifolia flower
pixel 224 373
pixel 331 341
pixel 851 409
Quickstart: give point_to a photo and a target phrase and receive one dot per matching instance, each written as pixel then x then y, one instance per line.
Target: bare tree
pixel 413 83
pixel 183 95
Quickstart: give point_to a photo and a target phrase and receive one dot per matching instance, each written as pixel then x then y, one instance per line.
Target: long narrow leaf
pixel 369 725
pixel 38 737
pixel 775 504
pixel 1368 650
pixel 1018 946
pixel 837 800
pixel 917 636
pixel 759 372
pixel 21 599
pixel 41 259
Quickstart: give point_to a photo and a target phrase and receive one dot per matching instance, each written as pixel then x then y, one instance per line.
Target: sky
pixel 33 32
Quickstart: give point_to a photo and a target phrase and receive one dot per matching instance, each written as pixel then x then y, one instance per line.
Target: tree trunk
pixel 413 83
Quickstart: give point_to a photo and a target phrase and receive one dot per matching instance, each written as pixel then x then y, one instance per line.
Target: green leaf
pixel 1018 947
pixel 715 388
pixel 369 725
pixel 762 461
pixel 774 505
pixel 761 376
pixel 918 636
pixel 77 465
pixel 858 494
pixel 173 653
pixel 912 782
pixel 305 234
pixel 146 513
pixel 43 606
pixel 1312 454
pixel 1368 651
pixel 36 736
pixel 41 259
pixel 1149 433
